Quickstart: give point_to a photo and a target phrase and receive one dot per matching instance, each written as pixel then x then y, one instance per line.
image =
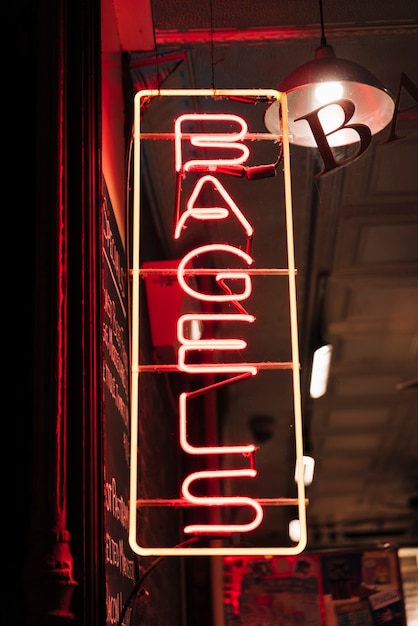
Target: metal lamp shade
pixel 374 106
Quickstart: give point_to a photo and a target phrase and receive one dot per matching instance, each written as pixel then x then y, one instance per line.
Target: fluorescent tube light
pixel 308 470
pixel 320 371
pixel 294 530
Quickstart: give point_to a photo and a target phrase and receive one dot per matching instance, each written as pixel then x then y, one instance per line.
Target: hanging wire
pixel 323 38
pixel 212 62
pixel 137 591
pixel 157 65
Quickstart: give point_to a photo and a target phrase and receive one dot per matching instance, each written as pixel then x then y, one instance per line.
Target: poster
pixel 329 588
pixel 362 588
pixel 275 591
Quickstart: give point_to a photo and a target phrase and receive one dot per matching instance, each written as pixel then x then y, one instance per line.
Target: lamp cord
pixel 323 38
pixel 137 589
pixel 211 46
pixel 157 61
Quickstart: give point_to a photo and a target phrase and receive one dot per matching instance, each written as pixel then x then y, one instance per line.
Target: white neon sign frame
pixel 201 140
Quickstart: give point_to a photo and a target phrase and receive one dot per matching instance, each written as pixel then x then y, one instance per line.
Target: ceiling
pixel 356 251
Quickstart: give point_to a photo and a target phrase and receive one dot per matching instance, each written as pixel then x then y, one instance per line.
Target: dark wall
pixel 175 591
pixel 19 245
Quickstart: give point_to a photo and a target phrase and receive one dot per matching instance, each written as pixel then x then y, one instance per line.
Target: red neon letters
pixel 229 142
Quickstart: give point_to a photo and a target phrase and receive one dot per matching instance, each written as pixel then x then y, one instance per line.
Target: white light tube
pixel 320 371
pixel 308 470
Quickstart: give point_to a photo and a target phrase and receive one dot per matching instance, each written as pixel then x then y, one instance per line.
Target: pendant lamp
pixel 320 84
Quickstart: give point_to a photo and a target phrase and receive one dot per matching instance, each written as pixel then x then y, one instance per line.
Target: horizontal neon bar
pixel 248 136
pixel 203 271
pixel 260 365
pixel 184 502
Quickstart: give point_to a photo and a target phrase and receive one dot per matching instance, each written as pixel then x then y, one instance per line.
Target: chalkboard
pixel 119 559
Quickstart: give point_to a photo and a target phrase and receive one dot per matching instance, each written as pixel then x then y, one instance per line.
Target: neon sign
pixel 206 147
